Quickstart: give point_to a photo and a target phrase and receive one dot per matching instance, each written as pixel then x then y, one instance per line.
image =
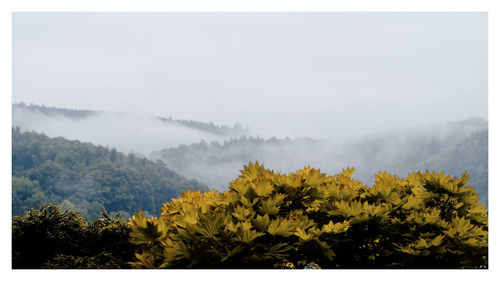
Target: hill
pixel 87 177
pixel 453 147
pixel 470 156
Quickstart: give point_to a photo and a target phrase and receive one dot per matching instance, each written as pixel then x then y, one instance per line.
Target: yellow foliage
pixel 263 188
pixel 279 220
pixel 281 227
pixel 261 222
pixel 336 227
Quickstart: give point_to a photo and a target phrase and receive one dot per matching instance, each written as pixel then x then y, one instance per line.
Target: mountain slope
pixel 469 156
pixel 88 177
pixel 453 147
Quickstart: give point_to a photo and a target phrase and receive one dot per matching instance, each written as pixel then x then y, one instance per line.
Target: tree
pixel 113 155
pixel 269 220
pixel 53 238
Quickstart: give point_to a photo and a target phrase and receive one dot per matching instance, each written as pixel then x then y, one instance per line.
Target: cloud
pixel 398 151
pixel 321 75
pixel 125 132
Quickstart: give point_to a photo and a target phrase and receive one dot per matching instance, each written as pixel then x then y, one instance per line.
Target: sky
pixel 320 75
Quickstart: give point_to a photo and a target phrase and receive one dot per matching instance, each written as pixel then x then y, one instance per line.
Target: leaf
pixel 271 205
pixel 303 235
pixel 247 203
pixel 348 172
pixel 242 213
pixel 239 187
pixel 437 240
pixel 261 222
pixel 281 227
pixel 252 171
pixel 146 231
pixel 335 228
pixel 236 250
pixel 210 224
pixel 248 236
pixel 263 188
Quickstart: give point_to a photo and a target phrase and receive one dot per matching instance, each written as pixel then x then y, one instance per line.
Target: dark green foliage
pixel 52 238
pixel 88 177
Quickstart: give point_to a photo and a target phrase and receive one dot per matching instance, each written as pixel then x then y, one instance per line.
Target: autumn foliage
pixel 274 220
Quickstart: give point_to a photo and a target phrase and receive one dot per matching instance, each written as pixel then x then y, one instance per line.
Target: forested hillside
pixel 471 155
pixel 86 177
pixel 454 148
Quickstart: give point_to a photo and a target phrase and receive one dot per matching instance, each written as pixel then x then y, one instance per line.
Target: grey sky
pixel 296 74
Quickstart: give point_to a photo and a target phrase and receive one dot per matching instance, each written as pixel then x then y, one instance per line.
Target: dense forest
pixel 87 177
pixel 454 148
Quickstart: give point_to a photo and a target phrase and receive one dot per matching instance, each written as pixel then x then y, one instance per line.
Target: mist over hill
pixel 214 154
pixel 125 132
pixel 454 147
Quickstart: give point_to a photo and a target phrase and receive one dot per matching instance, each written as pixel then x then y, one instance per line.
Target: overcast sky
pixel 296 74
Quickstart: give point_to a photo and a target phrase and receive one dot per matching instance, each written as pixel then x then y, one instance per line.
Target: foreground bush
pixel 52 238
pixel 272 220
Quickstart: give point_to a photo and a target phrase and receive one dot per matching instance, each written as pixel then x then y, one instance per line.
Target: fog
pixel 399 152
pixel 376 91
pixel 215 154
pixel 318 75
pixel 215 157
pixel 127 133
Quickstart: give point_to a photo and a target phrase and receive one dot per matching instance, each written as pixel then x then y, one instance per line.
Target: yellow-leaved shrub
pixel 273 220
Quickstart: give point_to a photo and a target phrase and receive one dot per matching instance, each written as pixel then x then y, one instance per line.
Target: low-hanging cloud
pixel 125 132
pixel 398 152
pixel 215 159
